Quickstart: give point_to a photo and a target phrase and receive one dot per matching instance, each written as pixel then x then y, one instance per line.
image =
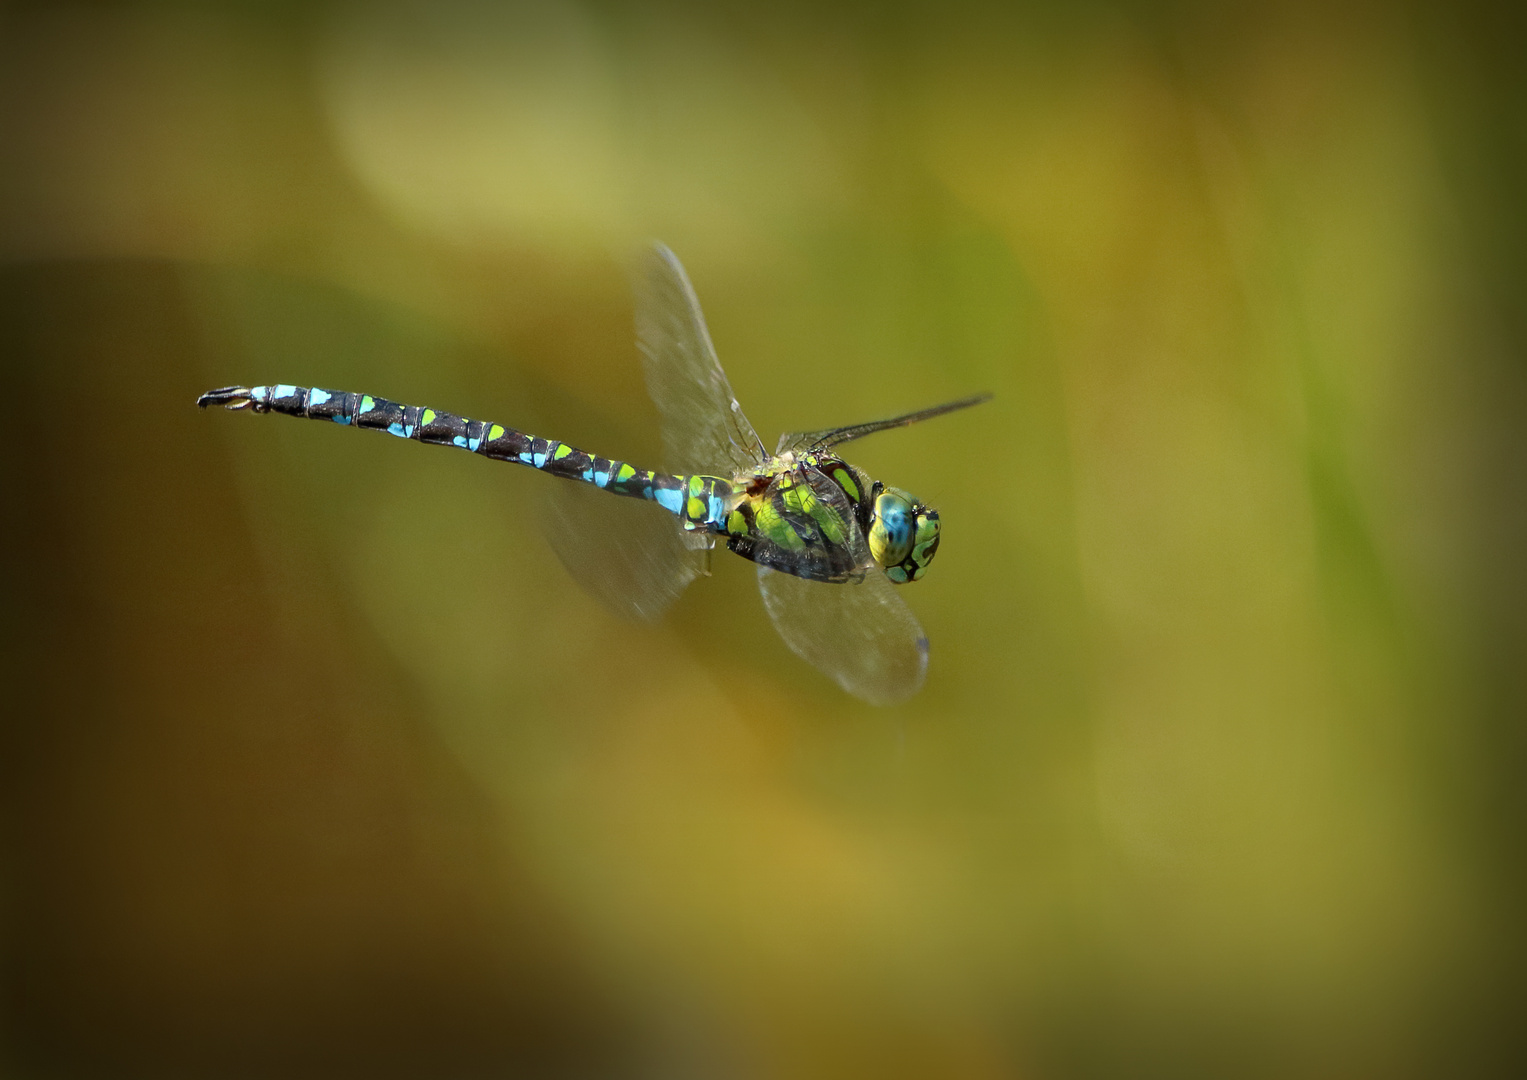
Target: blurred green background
pixel 315 762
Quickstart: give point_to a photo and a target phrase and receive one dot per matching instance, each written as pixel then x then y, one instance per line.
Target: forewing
pixel 631 556
pixel 704 428
pixel 861 634
pixel 804 440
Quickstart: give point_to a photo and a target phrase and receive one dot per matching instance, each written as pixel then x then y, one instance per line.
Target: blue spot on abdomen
pixel 670 499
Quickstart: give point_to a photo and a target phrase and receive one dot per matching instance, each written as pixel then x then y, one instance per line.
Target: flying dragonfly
pixel 831 544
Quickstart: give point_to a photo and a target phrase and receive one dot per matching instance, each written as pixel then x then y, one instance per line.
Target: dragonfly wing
pixel 859 633
pixel 632 557
pixel 805 440
pixel 703 426
pixel 856 629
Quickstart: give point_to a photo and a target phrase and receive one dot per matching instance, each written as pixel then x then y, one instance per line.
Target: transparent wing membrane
pixel 636 559
pixel 633 557
pixel 704 429
pixel 860 634
pixel 803 440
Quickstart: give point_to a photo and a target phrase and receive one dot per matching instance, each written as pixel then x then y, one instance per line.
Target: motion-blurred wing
pixel 633 557
pixel 704 429
pixel 861 634
pixel 856 629
pixel 803 440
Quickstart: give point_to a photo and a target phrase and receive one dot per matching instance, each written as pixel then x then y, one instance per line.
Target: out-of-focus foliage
pixel 315 761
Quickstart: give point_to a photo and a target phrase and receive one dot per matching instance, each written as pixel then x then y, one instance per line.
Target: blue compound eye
pixel 903 535
pixel 892 528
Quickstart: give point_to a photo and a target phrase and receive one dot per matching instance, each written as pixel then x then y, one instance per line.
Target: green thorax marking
pixel 771 498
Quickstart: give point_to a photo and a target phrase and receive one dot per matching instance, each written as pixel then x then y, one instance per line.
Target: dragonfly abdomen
pixel 676 494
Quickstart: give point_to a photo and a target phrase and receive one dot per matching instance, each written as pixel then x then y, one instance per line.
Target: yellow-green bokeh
pixel 319 762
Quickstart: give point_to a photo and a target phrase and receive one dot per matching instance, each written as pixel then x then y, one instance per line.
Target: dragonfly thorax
pixel 903 535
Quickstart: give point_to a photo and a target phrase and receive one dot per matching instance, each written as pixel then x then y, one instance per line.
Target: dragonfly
pixel 831 544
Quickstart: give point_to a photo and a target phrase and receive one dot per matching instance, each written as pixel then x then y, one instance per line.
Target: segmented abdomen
pixel 427 425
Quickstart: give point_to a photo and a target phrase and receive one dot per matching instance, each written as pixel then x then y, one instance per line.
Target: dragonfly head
pixel 903 535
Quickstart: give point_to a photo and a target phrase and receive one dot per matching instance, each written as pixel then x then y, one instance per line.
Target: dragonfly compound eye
pixel 903 535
